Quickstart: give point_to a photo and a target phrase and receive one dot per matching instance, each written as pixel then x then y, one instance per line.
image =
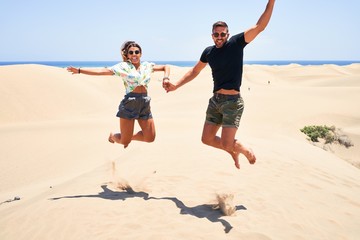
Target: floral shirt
pixel 131 77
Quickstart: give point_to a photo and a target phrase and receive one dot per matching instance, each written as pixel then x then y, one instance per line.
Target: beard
pixel 220 42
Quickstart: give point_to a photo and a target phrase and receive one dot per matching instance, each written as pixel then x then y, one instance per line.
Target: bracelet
pixel 166 78
pixel 78 70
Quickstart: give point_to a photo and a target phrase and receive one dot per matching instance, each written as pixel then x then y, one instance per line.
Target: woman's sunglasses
pixel 219 34
pixel 134 52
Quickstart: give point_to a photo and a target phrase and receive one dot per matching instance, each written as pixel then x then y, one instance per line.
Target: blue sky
pixel 93 30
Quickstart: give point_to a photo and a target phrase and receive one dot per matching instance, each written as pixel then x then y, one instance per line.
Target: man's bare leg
pixel 209 138
pixel 226 143
pixel 235 156
pixel 248 152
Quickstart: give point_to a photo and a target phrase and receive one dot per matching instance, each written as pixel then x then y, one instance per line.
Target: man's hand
pixel 168 86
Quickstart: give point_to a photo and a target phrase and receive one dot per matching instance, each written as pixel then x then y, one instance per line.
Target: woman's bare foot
pixel 111 138
pixel 115 138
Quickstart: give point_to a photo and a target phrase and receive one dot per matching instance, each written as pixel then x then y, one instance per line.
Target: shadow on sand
pixel 201 211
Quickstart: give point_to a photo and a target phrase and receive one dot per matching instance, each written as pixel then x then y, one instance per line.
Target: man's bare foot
pixel 111 138
pixel 249 154
pixel 235 156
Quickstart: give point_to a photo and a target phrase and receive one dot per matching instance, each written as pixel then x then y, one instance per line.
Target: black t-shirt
pixel 226 63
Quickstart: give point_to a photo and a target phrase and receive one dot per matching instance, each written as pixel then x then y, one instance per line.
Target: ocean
pixel 176 63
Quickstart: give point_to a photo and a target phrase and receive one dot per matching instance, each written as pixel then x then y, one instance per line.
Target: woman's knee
pixel 149 138
pixel 152 138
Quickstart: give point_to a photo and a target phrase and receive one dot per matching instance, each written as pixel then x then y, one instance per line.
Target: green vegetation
pixel 329 134
pixel 316 132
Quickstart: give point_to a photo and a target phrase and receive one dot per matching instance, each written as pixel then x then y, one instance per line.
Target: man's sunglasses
pixel 134 52
pixel 219 34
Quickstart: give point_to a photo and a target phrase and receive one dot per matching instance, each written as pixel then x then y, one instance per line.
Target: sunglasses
pixel 134 52
pixel 219 34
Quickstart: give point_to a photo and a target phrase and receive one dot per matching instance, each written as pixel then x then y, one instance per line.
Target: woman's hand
pixel 168 86
pixel 73 70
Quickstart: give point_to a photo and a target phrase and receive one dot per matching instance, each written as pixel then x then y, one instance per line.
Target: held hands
pixel 168 86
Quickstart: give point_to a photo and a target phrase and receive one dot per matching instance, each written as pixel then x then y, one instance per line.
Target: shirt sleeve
pixel 119 69
pixel 240 39
pixel 204 54
pixel 151 65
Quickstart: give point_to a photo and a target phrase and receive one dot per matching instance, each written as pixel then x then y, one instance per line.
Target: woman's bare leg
pixel 126 132
pixel 147 133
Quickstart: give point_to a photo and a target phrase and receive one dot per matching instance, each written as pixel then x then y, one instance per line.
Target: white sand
pixel 70 180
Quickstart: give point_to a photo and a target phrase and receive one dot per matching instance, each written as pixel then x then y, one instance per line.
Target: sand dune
pixel 72 184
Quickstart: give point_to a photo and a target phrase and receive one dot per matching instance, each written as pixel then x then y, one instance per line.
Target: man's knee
pixel 206 140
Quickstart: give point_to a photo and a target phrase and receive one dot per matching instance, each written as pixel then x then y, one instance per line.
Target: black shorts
pixel 135 106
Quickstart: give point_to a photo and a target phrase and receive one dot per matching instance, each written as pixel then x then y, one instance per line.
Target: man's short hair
pixel 220 24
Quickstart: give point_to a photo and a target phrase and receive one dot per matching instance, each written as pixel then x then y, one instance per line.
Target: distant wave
pixel 177 63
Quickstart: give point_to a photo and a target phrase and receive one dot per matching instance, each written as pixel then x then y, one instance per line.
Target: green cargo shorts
pixel 225 110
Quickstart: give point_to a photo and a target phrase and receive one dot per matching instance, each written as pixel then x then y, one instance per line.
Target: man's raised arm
pixel 261 24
